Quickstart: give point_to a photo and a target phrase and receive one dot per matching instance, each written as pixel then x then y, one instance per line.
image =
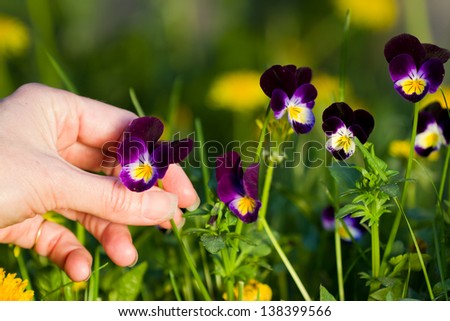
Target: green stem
pixel 397 219
pixel 416 245
pixel 229 275
pixel 94 280
pixel 285 260
pixel 203 164
pixel 338 249
pixel 136 103
pixel 234 250
pixel 266 193
pixel 262 135
pixel 375 237
pixel 191 262
pixel 174 286
pixel 22 266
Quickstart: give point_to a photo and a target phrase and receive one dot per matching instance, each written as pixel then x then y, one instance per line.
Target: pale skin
pixel 49 140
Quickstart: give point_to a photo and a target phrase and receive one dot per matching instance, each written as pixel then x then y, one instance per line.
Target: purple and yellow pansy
pixel 415 68
pixel 291 92
pixel 354 228
pixel 433 129
pixel 145 159
pixel 341 125
pixel 237 188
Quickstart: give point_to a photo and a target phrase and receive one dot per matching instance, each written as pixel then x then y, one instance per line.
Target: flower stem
pixel 338 249
pixel 191 262
pixel 416 245
pixel 375 238
pixel 203 164
pixel 22 266
pixel 262 135
pixel 285 260
pixel 266 192
pixel 397 219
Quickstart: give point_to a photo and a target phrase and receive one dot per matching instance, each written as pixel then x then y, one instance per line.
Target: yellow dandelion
pixel 14 36
pixel 13 289
pixel 400 149
pixel 375 15
pixel 237 91
pixel 254 291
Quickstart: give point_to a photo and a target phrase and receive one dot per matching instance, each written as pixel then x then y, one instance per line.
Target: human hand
pixel 49 138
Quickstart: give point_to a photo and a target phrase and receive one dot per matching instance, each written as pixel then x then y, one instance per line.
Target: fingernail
pixel 135 261
pixel 194 206
pixel 181 223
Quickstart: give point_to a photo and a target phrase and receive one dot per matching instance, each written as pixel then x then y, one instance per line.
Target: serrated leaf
pixel 390 189
pixel 128 286
pixel 325 295
pixel 345 176
pixel 212 243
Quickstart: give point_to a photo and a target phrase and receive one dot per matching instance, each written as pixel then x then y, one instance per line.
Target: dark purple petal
pixel 404 44
pixel 129 149
pixel 425 118
pixel 305 94
pixel 354 228
pixel 340 110
pixel 279 77
pixel 328 219
pixel 424 152
pixel 445 126
pixel 402 66
pixel 167 153
pixel 136 185
pixel 228 163
pixel 340 154
pixel 229 188
pixel 365 120
pixel 359 132
pixel 278 103
pixel 250 181
pixel 248 217
pixel 149 129
pixel 433 71
pixel 303 75
pixel 433 51
pixel 331 125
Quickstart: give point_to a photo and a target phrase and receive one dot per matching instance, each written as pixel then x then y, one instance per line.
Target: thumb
pixel 106 197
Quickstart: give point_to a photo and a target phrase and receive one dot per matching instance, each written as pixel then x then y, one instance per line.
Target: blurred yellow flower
pixel 254 291
pixel 237 91
pixel 13 289
pixel 437 96
pixel 375 15
pixel 400 149
pixel 14 36
pixel 78 286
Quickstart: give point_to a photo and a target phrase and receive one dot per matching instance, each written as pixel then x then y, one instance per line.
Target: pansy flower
pixel 415 68
pixel 236 188
pixel 433 129
pixel 143 157
pixel 291 92
pixel 354 227
pixel 341 124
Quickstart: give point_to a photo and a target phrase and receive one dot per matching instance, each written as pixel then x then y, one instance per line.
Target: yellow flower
pixel 78 286
pixel 237 91
pixel 437 96
pixel 400 149
pixel 13 289
pixel 254 291
pixel 14 37
pixel 375 15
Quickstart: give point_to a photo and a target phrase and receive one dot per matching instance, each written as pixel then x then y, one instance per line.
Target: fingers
pixel 176 181
pixel 107 198
pixel 115 239
pixel 52 240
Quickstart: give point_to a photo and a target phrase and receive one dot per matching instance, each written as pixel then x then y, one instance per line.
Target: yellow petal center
pixel 413 86
pixel 297 113
pixel 344 142
pixel 246 205
pixel 143 171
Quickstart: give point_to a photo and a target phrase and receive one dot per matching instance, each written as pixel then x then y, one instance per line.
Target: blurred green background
pixel 216 50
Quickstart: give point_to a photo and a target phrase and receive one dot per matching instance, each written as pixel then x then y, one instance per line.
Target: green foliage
pixel 126 286
pixel 325 295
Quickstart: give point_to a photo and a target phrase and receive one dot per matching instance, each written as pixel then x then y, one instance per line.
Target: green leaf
pixel 212 243
pixel 439 288
pixel 128 286
pixel 345 176
pixel 390 189
pixel 349 209
pixel 325 295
